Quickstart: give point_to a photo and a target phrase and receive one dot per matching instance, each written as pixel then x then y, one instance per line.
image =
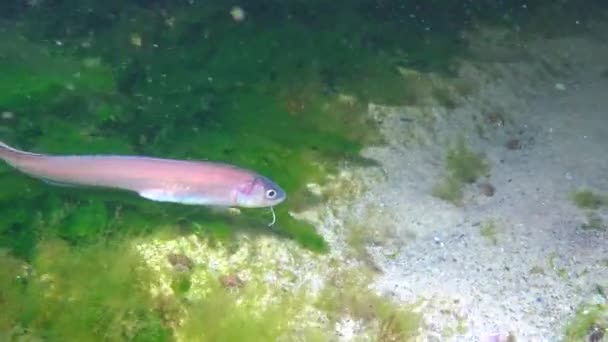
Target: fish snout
pixel 260 193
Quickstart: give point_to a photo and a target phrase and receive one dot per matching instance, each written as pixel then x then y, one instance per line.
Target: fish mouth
pixel 278 201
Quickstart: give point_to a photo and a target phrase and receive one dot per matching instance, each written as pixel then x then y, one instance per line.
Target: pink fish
pixel 164 180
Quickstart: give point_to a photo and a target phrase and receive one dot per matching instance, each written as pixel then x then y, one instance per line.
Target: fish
pixel 191 182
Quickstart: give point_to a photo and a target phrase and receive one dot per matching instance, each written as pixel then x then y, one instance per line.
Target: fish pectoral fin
pixel 225 210
pixel 164 195
pixel 159 195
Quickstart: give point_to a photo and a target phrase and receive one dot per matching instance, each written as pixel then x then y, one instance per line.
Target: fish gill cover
pixel 283 91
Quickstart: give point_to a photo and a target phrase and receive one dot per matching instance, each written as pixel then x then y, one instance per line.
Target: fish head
pixel 260 192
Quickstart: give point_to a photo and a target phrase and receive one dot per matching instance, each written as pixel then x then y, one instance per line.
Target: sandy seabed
pixel 537 109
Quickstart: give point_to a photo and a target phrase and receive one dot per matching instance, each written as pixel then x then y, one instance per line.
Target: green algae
pixel 31 75
pixel 462 166
pixel 226 295
pixel 489 230
pixel 594 222
pixel 348 295
pixel 590 201
pixel 250 124
pixel 257 96
pixel 281 99
pixel 449 189
pixel 226 320
pixel 78 294
pixel 587 199
pixel 181 284
pixel 586 320
pixel 203 307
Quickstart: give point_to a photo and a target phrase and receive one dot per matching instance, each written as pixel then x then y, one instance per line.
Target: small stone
pixel 495 118
pixel 231 281
pixel 513 144
pixel 560 86
pixel 487 189
pixel 180 262
pixel 596 333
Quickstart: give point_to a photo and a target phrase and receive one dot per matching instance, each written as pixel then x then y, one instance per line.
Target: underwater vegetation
pixel 183 82
pixel 348 295
pixel 74 294
pixel 489 230
pixel 587 199
pixel 590 201
pixel 187 82
pixel 283 92
pixel 594 222
pixel 187 288
pixel 462 166
pixel 590 323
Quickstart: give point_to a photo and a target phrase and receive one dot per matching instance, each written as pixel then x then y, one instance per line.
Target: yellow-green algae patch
pixel 188 288
pixel 268 289
pixel 589 321
pixel 264 261
pixel 78 294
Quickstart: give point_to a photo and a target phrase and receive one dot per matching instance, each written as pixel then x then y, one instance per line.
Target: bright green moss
pixel 462 166
pixel 181 284
pixel 79 294
pixel 12 289
pixel 587 199
pixel 449 189
pixel 585 319
pixel 286 101
pixel 226 320
pixel 31 73
pixel 87 221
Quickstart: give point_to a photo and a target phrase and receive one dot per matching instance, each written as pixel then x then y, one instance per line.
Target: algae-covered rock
pixel 268 289
pixel 78 294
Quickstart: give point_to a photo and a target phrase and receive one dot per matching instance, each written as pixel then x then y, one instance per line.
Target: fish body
pixel 158 179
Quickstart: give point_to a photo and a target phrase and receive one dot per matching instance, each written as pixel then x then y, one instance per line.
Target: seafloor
pixel 522 252
pixel 447 183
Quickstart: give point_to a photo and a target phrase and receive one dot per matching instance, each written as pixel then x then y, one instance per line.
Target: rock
pixel 487 189
pixel 180 262
pixel 231 281
pixel 513 144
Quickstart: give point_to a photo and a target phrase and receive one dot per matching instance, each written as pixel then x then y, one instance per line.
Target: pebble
pixel 487 189
pixel 513 144
pixel 180 262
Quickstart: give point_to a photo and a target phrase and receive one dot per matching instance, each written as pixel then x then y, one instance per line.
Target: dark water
pixel 194 80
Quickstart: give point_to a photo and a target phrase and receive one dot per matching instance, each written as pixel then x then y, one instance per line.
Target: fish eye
pixel 271 193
